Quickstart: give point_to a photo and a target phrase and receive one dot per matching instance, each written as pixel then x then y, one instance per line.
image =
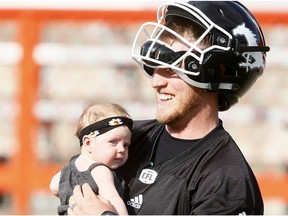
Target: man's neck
pixel 195 127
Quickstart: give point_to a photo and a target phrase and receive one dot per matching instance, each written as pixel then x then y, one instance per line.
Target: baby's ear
pixel 87 143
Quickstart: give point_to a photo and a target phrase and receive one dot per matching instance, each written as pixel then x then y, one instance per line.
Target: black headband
pixel 105 125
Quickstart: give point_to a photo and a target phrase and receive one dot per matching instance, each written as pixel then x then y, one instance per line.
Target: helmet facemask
pixel 155 53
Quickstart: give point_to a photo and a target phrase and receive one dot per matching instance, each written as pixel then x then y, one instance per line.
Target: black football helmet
pixel 230 65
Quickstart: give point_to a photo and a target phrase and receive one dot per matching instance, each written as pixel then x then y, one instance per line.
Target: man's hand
pixel 85 202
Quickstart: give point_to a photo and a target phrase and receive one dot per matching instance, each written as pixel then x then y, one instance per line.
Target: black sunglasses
pixel 158 52
pixel 166 55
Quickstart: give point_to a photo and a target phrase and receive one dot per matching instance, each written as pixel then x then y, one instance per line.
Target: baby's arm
pixel 104 179
pixel 54 184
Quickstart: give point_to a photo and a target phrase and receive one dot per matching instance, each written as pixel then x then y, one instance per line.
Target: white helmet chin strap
pixel 226 86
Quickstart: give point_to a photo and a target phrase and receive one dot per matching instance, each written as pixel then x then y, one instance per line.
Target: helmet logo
pixel 252 59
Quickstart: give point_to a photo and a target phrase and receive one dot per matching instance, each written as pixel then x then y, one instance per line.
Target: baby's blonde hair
pixel 99 112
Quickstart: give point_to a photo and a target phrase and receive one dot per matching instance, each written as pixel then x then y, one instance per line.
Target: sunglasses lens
pixel 145 47
pixel 156 55
pixel 149 70
pixel 148 66
pixel 159 52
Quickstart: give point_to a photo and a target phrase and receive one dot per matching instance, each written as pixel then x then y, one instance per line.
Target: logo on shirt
pixel 148 176
pixel 136 202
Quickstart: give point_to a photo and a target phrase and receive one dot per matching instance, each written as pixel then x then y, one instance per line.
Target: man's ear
pixel 87 143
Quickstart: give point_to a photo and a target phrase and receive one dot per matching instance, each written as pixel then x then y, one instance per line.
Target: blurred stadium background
pixel 58 56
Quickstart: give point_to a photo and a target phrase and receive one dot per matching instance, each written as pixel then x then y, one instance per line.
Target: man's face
pixel 177 101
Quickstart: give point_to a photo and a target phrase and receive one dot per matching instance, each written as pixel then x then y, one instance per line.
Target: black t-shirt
pixel 209 177
pixel 167 147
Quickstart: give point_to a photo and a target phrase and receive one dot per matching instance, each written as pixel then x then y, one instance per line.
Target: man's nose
pixel 158 80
